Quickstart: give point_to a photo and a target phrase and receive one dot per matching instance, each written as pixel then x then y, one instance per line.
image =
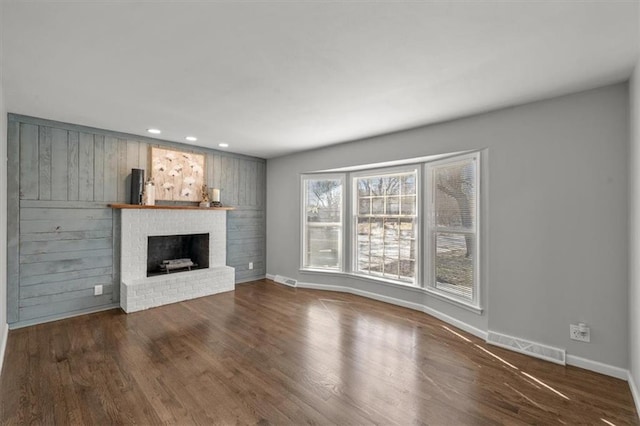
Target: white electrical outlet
pixel 582 334
pixel 250 265
pixel 97 290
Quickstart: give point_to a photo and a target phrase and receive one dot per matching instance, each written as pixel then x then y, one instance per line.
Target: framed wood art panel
pixel 177 175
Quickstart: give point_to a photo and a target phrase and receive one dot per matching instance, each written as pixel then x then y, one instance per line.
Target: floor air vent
pixel 285 280
pixel 537 350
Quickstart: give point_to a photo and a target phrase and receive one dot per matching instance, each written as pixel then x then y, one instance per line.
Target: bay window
pixel 402 232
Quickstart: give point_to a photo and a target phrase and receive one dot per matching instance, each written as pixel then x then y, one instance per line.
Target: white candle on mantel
pixel 216 195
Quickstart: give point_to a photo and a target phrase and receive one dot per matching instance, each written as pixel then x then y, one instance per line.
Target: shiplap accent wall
pixel 63 239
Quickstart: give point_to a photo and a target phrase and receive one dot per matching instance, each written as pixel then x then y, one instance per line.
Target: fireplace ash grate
pixel 174 264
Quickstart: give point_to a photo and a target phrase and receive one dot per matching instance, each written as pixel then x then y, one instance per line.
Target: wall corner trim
pixel 598 367
pixel 3 344
pixel 634 391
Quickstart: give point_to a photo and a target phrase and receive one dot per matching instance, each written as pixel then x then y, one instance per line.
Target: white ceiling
pixel 271 78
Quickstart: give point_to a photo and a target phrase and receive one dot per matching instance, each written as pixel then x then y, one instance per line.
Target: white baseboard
pixel 634 390
pixel 57 317
pixel 3 344
pixel 248 280
pixel 398 302
pixel 573 360
pixel 598 367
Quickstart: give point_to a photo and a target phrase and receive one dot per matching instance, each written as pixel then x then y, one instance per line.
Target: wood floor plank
pixel 271 354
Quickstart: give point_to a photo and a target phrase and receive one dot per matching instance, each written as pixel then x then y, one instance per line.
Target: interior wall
pixel 3 210
pixel 556 234
pixel 634 236
pixel 63 238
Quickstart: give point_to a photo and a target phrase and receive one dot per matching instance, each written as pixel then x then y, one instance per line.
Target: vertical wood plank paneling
pixel 98 168
pixel 73 169
pixel 262 189
pixel 29 162
pixel 242 182
pixel 225 180
pixel 244 177
pixel 143 160
pixel 59 161
pixel 239 181
pixel 13 221
pixel 133 154
pixel 208 159
pixel 123 173
pixel 253 182
pixel 217 171
pixel 86 167
pixel 231 181
pixel 110 169
pixel 236 181
pixel 44 166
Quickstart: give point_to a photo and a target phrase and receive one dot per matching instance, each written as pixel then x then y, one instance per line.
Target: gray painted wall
pixel 556 233
pixel 634 235
pixel 62 237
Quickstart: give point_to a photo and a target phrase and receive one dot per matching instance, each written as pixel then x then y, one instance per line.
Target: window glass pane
pixel 392 185
pixel 391 247
pixel 376 237
pixel 324 200
pixel 322 223
pixel 386 242
pixel 454 263
pixel 393 205
pixel 364 206
pixel 364 231
pixel 324 246
pixel 455 195
pixel 377 205
pixel 407 250
pixel 408 184
pixel 376 185
pixel 376 265
pixel 408 205
pixel 363 188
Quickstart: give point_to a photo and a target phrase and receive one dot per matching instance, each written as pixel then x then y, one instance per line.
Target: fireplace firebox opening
pixel 177 253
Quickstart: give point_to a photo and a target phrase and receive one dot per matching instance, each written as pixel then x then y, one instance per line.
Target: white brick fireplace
pixel 137 291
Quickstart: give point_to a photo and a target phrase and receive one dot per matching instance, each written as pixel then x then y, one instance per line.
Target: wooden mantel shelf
pixel 139 206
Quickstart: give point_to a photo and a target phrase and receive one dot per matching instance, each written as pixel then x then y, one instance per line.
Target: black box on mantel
pixel 137 185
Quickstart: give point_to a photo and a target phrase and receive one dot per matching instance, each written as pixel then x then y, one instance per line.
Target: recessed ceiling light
pixel 223 145
pixel 191 138
pixel 154 131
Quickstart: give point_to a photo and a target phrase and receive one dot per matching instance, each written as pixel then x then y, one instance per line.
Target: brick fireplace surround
pixel 139 292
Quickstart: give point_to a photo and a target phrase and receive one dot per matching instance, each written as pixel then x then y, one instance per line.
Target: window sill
pixel 422 290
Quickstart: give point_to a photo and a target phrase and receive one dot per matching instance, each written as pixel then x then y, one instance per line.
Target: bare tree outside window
pixel 323 223
pixel 386 209
pixel 454 235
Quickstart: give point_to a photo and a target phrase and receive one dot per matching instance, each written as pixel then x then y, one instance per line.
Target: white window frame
pixel 431 231
pixel 303 193
pixel 353 237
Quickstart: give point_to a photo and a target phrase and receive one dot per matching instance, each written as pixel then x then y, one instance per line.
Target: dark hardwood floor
pixel 270 354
